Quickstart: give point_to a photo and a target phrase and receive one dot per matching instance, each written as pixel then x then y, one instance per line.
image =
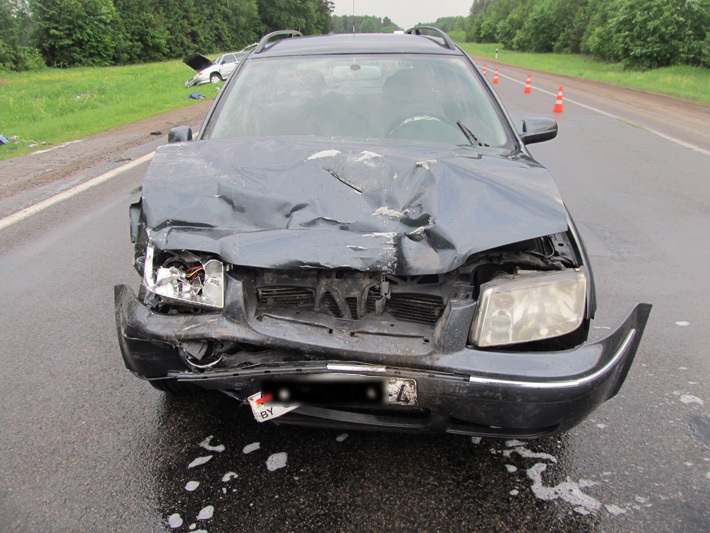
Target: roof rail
pixel 266 38
pixel 448 43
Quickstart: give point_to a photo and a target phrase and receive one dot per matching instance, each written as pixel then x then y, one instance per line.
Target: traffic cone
pixel 484 69
pixel 558 102
pixel 528 87
pixel 495 76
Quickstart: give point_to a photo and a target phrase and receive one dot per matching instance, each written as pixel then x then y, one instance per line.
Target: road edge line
pixel 65 195
pixel 617 117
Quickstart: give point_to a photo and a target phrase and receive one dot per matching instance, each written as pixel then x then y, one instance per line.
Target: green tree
pixel 142 32
pixel 658 33
pixel 508 28
pixel 76 32
pixel 363 24
pixel 16 51
pixel 597 38
pixel 311 17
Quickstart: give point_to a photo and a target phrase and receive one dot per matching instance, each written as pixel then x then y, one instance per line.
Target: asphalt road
pixel 85 446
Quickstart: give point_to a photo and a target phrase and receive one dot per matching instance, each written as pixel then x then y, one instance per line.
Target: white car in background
pixel 213 71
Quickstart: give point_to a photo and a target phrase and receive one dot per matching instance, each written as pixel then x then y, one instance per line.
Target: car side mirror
pixel 180 134
pixel 537 130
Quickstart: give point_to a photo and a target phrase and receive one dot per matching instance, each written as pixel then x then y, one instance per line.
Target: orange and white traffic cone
pixel 528 87
pixel 558 102
pixel 484 69
pixel 495 76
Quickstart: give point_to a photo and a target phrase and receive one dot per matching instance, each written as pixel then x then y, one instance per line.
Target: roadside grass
pixel 682 81
pixel 58 105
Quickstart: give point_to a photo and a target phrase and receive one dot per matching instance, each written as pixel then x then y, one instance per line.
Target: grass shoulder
pixel 682 81
pixel 57 105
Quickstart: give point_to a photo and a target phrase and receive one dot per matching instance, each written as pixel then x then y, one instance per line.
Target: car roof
pixel 358 43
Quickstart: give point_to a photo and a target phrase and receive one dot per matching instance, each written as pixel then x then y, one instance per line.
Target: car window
pixel 401 98
pixel 228 58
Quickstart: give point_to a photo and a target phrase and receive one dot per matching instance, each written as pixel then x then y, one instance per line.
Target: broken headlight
pixel 529 307
pixel 184 277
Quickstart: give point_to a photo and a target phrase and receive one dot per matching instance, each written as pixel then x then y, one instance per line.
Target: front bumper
pixel 196 80
pixel 460 389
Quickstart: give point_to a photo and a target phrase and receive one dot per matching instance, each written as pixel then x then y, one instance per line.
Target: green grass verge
pixel 682 81
pixel 47 106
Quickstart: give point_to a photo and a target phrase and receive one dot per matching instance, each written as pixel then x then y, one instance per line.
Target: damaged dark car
pixel 358 237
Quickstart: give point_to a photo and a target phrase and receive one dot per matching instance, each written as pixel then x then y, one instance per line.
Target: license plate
pixel 388 391
pixel 267 410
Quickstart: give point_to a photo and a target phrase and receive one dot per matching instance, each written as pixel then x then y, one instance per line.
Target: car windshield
pixel 420 98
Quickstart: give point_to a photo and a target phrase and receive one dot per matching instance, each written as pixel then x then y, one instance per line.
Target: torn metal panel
pixel 280 203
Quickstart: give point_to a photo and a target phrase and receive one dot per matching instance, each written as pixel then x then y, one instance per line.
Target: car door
pixel 227 66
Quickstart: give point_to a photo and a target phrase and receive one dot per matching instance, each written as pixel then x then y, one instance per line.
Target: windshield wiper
pixel 469 135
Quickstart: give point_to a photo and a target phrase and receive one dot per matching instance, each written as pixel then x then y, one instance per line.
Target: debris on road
pixel 276 461
pixel 199 461
pixel 207 446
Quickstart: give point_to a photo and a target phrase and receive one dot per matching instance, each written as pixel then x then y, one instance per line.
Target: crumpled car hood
pixel 284 204
pixel 197 62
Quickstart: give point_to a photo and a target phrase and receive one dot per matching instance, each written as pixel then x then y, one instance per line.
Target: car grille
pixel 418 308
pixel 286 297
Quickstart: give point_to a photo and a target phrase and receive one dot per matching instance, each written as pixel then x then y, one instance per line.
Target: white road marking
pixel 36 152
pixel 617 117
pixel 69 193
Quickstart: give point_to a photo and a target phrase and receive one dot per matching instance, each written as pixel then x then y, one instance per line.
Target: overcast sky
pixel 406 13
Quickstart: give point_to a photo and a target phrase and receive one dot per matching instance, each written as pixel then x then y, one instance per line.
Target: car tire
pixel 215 77
pixel 174 387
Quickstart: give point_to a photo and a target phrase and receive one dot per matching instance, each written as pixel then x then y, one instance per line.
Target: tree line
pixel 363 24
pixel 642 34
pixel 67 33
pixel 64 33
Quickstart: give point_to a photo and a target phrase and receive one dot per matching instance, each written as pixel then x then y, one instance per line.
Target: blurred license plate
pixel 280 396
pixel 264 410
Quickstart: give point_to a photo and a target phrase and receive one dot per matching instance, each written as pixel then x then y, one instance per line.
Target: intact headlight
pixel 529 308
pixel 201 285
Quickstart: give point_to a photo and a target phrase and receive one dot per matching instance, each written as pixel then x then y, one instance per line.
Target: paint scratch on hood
pixel 387 212
pixel 388 235
pixel 324 153
pixel 425 164
pixel 366 156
